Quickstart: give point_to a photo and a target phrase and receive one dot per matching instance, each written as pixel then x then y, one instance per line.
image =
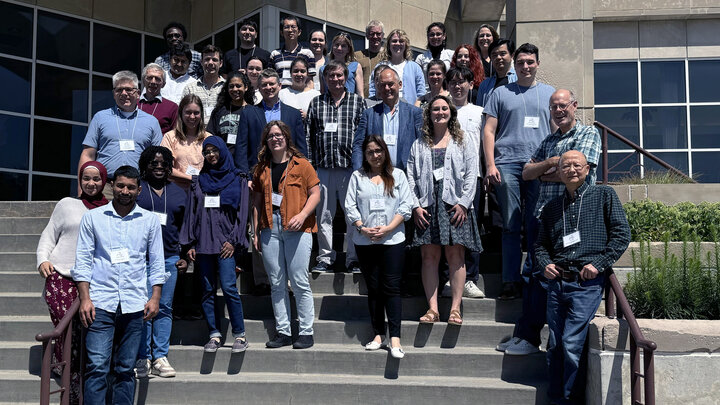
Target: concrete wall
pixel 669 193
pixel 630 10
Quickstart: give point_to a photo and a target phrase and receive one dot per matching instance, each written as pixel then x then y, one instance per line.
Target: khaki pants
pixel 107 191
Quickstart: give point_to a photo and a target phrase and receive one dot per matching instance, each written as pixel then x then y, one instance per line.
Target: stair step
pixel 26 225
pixel 19 243
pixel 13 261
pixel 26 208
pixel 17 281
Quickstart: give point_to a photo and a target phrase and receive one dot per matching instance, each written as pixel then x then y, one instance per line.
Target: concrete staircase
pixel 443 363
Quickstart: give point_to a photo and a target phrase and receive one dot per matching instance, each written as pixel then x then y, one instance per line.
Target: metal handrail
pixel 605 131
pixel 64 328
pixel 637 340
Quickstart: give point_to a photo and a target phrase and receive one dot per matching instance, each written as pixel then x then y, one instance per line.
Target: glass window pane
pixel 678 160
pixel 200 45
pixel 705 126
pixel 14 186
pixel 61 93
pixel 225 39
pixel 57 147
pixel 154 47
pixel 14 142
pixel 306 27
pixel 705 167
pixel 616 83
pixel 15 76
pixel 102 97
pixel 663 82
pixel 702 88
pixel 664 127
pixel 63 40
pixel 47 188
pixel 358 40
pixel 115 49
pixel 623 120
pixel 620 165
pixel 16 30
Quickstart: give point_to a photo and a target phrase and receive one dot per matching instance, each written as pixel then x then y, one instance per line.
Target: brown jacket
pixel 295 184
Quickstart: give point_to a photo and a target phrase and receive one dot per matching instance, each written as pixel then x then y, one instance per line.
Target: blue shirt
pixel 108 127
pixel 123 283
pixel 272 113
pixel 391 125
pixel 171 203
pixel 487 87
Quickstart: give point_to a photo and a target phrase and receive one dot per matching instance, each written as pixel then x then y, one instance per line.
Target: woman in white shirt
pixel 299 95
pixel 378 202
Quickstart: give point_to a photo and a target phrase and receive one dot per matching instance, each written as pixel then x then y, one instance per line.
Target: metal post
pixel 649 360
pixel 634 372
pixel 605 155
pixel 45 374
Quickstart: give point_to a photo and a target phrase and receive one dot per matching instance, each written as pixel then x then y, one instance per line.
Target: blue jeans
pixel 517 199
pixel 570 307
pixel 210 267
pixel 286 255
pixel 112 339
pixel 158 329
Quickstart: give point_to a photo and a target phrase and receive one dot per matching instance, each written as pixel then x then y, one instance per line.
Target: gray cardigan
pixel 459 174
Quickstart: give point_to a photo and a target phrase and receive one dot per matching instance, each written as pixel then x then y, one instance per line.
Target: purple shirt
pixel 161 108
pixel 206 229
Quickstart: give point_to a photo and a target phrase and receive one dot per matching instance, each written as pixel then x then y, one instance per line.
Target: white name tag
pixel 331 127
pixel 532 122
pixel 162 217
pixel 377 204
pixel 119 256
pixel 439 173
pixel 192 171
pixel 127 144
pixel 232 138
pixel 212 201
pixel 390 139
pixel 276 199
pixel 573 238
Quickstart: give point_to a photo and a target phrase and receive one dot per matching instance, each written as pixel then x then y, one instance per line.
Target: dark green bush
pixel 656 221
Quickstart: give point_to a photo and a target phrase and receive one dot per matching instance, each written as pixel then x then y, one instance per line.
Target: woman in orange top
pixel 285 193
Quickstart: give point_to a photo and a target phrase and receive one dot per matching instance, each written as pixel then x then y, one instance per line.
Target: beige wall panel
pixel 160 12
pixel 321 8
pixel 453 31
pixel 223 13
pixel 128 13
pixel 245 7
pixel 703 38
pixel 549 10
pixel 616 40
pixel 415 21
pixel 200 19
pixel 351 14
pixel 662 39
pixel 387 11
pixel 653 9
pixel 76 7
pixel 436 6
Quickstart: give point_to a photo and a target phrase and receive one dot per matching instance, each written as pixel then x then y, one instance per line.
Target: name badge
pixel 127 144
pixel 573 238
pixel 276 199
pixel 162 217
pixel 231 139
pixel 377 204
pixel 390 139
pixel 532 122
pixel 212 201
pixel 439 173
pixel 331 127
pixel 192 171
pixel 119 256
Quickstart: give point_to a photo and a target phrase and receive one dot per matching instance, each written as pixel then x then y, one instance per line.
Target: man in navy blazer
pixel 254 118
pixel 398 122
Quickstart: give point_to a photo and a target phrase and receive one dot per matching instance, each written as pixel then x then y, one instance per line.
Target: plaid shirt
pixel 280 59
pixel 597 213
pixel 195 70
pixel 585 139
pixel 333 149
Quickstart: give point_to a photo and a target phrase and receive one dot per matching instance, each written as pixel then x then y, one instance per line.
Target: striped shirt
pixel 583 138
pixel 208 96
pixel 333 149
pixel 281 60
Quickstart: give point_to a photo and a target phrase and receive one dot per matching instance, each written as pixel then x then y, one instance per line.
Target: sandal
pixel 430 317
pixel 455 318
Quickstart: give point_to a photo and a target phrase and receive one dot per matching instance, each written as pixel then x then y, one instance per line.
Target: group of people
pixel 253 149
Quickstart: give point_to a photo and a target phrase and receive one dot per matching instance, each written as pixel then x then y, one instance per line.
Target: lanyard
pixel 152 200
pixel 117 123
pixel 154 109
pixel 579 210
pixel 537 96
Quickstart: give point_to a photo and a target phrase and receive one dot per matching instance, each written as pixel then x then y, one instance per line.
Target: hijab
pixel 97 200
pixel 222 177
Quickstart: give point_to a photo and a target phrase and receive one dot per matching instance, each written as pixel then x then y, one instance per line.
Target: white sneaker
pixel 142 368
pixel 446 291
pixel 161 367
pixel 521 347
pixel 472 291
pixel 397 352
pixel 504 345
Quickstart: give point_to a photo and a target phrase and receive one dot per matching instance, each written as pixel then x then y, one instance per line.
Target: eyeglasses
pixel 374 152
pixel 560 107
pixel 576 166
pixel 155 163
pixel 128 90
pixel 213 151
pixel 435 34
pixel 290 27
pixel 375 35
pixel 276 136
pixel 453 83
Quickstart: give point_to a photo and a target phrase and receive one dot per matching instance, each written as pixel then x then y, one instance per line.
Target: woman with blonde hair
pixel 398 56
pixel 342 51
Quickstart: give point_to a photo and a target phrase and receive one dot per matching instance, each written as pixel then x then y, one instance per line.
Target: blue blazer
pixel 371 123
pixel 252 123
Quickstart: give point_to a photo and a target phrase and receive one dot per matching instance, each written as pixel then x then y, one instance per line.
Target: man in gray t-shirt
pixel 517 121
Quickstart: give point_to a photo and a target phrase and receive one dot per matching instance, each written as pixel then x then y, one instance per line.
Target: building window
pixel 668 107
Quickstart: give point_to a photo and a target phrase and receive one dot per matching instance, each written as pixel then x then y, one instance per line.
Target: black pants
pixel 382 267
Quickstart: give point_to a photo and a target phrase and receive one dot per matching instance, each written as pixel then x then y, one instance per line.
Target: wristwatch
pixel 359 227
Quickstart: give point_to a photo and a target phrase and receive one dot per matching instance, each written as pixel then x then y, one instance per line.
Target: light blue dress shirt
pixel 271 113
pixel 103 231
pixel 391 125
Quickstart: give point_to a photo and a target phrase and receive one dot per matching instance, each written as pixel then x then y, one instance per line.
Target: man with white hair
pixel 153 80
pixel 369 58
pixel 118 135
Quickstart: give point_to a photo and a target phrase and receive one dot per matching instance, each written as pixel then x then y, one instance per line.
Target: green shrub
pixel 656 221
pixel 671 287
